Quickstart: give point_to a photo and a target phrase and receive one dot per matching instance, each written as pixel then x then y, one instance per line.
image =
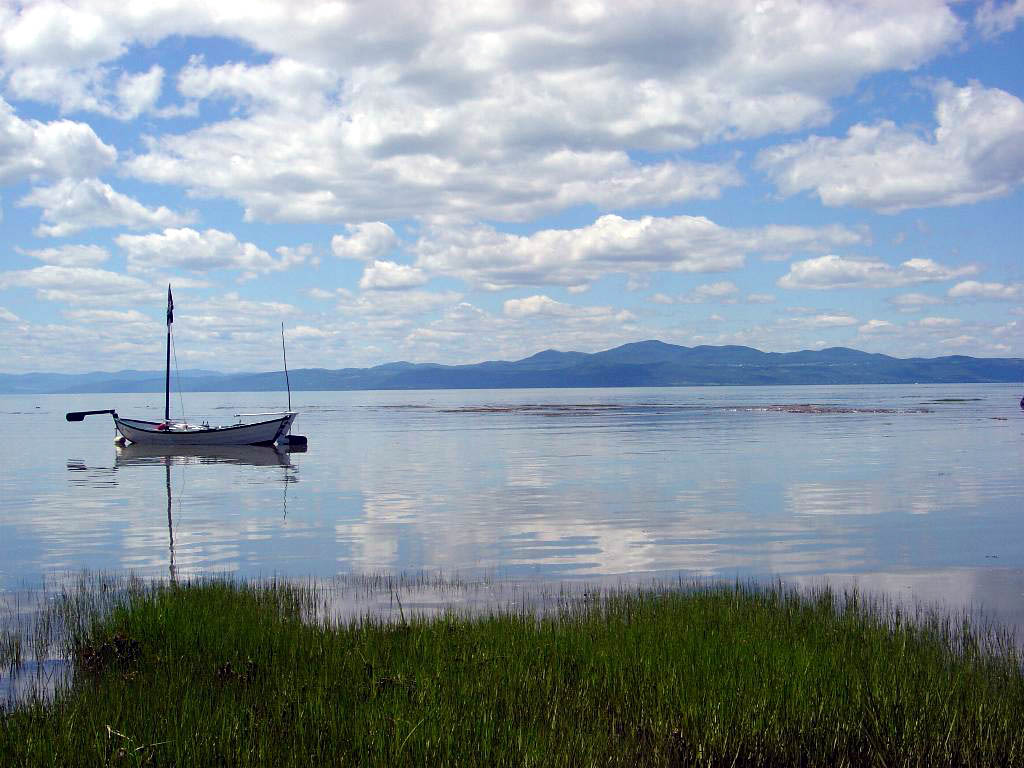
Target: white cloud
pixel 303 171
pixel 533 306
pixel 120 317
pixel 385 275
pixel 877 326
pixel 760 298
pixel 525 326
pixel 284 83
pixel 368 241
pixel 972 289
pixel 724 290
pixel 1006 329
pixel 52 33
pixel 976 152
pixel 80 285
pixel 913 302
pixel 938 322
pixel 229 313
pixel 824 320
pixel 200 252
pixel 7 316
pixel 71 206
pixel 31 149
pixel 831 271
pixel 959 341
pixel 993 19
pixel 123 97
pixel 395 307
pixel 298 254
pixel 500 113
pixel 577 257
pixel 72 255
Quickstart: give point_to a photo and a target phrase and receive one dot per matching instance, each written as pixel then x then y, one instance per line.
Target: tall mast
pixel 167 367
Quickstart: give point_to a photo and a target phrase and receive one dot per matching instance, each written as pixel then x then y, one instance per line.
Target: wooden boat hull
pixel 258 433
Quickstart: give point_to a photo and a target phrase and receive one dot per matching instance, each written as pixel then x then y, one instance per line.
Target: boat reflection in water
pixel 139 455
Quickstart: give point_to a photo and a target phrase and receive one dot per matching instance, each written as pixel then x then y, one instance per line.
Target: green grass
pixel 219 673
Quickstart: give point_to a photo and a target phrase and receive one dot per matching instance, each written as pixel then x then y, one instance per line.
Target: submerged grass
pixel 219 673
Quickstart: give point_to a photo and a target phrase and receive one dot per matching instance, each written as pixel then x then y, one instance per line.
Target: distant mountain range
pixel 641 364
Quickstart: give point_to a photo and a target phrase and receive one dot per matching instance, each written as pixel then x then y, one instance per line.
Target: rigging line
pixel 177 380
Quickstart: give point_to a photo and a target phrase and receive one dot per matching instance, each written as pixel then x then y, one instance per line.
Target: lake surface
pixel 905 489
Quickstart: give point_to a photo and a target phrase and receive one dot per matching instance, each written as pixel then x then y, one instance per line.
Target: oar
pixel 80 415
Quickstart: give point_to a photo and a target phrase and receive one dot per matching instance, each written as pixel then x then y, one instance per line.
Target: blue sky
pixel 415 181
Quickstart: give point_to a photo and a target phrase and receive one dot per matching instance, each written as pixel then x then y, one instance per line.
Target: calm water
pixel 897 487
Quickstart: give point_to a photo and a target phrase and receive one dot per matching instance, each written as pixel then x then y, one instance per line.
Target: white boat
pixel 169 433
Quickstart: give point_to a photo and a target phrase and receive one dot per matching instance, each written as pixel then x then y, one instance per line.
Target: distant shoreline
pixel 642 364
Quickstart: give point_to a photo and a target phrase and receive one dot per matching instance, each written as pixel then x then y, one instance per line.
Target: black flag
pixel 170 306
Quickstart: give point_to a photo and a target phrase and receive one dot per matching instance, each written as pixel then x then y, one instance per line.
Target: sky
pixel 456 182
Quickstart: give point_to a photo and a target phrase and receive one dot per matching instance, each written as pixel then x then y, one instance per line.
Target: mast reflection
pixel 134 455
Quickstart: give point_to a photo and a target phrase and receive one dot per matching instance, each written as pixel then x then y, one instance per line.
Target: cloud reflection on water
pixel 715 482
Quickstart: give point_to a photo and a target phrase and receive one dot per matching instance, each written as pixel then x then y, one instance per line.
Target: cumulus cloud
pixel 368 241
pixel 938 322
pixel 831 271
pixel 972 289
pixel 72 255
pixel 877 326
pixel 231 313
pixel 503 115
pixel 123 96
pixel 996 18
pixel 913 302
pixel 387 275
pixel 284 83
pixel 7 316
pixel 72 205
pixel 534 306
pixel 120 317
pixel 80 285
pixel 524 326
pixel 31 148
pixel 395 306
pixel 211 249
pixel 963 340
pixel 303 171
pixel 976 152
pixel 723 290
pixel 612 244
pixel 824 320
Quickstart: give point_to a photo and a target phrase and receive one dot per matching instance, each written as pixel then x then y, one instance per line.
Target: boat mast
pixel 167 368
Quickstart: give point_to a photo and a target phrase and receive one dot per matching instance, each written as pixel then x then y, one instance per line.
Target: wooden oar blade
pixel 80 415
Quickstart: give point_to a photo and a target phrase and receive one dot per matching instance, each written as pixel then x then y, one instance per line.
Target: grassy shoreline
pixel 220 673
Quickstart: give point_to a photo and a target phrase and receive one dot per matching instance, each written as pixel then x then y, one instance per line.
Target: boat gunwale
pixel 197 430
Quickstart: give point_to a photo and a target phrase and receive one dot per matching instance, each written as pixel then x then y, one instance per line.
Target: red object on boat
pixel 162 427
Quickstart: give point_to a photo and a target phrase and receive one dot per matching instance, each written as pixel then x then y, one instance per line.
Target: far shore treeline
pixel 641 364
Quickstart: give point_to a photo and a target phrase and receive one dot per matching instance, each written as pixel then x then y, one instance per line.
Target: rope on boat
pixel 177 379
